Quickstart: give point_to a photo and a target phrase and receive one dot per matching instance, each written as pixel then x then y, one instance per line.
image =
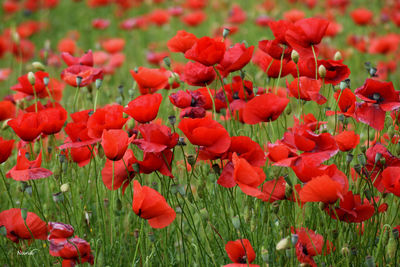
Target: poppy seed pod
pixel 284 243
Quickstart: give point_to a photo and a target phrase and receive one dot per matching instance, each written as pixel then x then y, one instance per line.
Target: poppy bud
pixel 24 214
pixel 78 81
pixel 64 188
pixel 361 159
pixel 275 207
pixel 181 141
pixel 372 72
pixel 88 215
pixel 295 56
pixel 395 233
pixel 172 119
pixel 391 247
pixel 288 191
pixel 58 197
pixel 294 238
pixel 385 238
pixel 98 83
pixel 191 160
pixel 31 78
pixel 369 261
pixel 338 56
pixel 378 156
pixel 264 255
pixel 283 244
pixel 225 32
pixel 345 251
pixel 358 168
pixel 236 222
pixel 349 157
pixel 322 206
pixel 15 37
pixel 167 62
pixel 131 93
pixel 38 66
pixel 322 71
pixel 3 230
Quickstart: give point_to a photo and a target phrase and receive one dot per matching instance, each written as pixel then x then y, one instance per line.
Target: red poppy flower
pixel 6 147
pixel 361 16
pixel 67 45
pixel 305 34
pixel 114 143
pixel 86 59
pixel 194 19
pixel 380 93
pixel 274 49
pixel 150 205
pixel 73 250
pixel 346 101
pixel 52 119
pixel 264 108
pixel 274 190
pixel 310 244
pixel 100 24
pixel 307 89
pixel 158 17
pixel 160 162
pixel 391 180
pixel 352 209
pixel 123 171
pixel 240 251
pixel 150 80
pixel 59 230
pixel 336 71
pixel 197 74
pixel 181 42
pixel 235 58
pixel 14 223
pixel 26 170
pixel 88 75
pixel 109 117
pixel 7 110
pixel 206 132
pixel 371 114
pixel 321 189
pixel 206 51
pixel 27 126
pixel 24 86
pixel 271 66
pixel 280 151
pixel 181 99
pixel 347 140
pixel 113 45
pixel 144 108
pixel 23 50
pixel 156 138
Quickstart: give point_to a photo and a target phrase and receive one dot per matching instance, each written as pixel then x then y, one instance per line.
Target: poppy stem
pixel 223 89
pixel 76 97
pixel 138 242
pixel 280 69
pixel 112 202
pixel 5 185
pixel 316 62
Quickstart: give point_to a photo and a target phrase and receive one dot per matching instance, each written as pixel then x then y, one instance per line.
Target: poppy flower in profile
pixel 181 42
pixel 59 230
pixel 206 51
pixel 264 108
pixel 100 24
pixel 347 140
pixel 24 86
pixel 144 108
pixel 7 110
pixel 16 229
pixel 108 117
pixel 271 66
pixel 197 74
pixel 88 75
pixel 123 171
pixel 306 89
pixel 194 19
pixel 150 205
pixel 150 80
pixel 26 170
pixel 391 180
pixel 346 101
pixel 305 34
pixel 352 209
pixel 52 119
pixel 321 189
pixel 274 190
pixel 113 45
pixel 309 244
pixel 160 162
pixel 361 16
pixel 26 125
pixel 6 147
pixel 156 138
pixel 240 251
pixel 72 250
pixel 280 151
pixel 114 143
pixel 86 59
pixel 206 132
pixel 235 58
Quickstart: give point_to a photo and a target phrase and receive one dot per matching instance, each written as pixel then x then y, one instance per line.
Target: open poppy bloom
pixel 7 110
pixel 274 190
pixel 235 58
pixel 123 172
pixel 321 189
pixel 206 132
pixel 15 226
pixel 150 205
pixel 352 209
pixel 391 180
pixel 197 74
pixel 150 80
pixel 108 117
pixel 26 170
pixel 346 101
pixel 59 230
pixel 156 138
pixel 24 86
pixel 206 51
pixel 26 125
pixel 307 89
pixel 182 41
pixel 309 245
pixel 240 252
pixel 114 143
pixel 6 147
pixel 264 108
pixel 52 119
pixel 86 73
pixel 347 140
pixel 72 250
pixel 336 71
pixel 144 108
pixel 86 59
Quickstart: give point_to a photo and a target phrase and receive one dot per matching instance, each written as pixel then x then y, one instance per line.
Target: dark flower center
pixel 377 97
pixel 243 259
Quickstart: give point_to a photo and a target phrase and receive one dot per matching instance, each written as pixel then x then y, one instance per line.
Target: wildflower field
pixel 199 133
